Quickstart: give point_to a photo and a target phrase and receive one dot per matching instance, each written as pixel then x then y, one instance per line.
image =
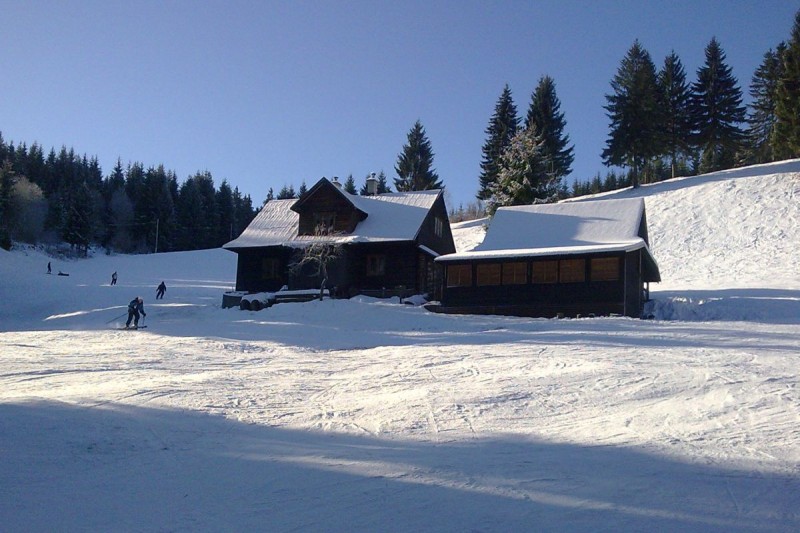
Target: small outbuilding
pixel 569 259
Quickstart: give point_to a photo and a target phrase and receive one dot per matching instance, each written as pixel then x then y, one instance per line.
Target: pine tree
pixel 350 185
pixel 77 229
pixel 502 127
pixel 114 223
pixel 677 126
pixel 415 162
pixel 20 160
pixel 7 179
pixel 190 214
pixel 210 220
pixel 761 116
pixel 244 212
pixel 287 193
pixel 302 190
pixel 635 114
pixel 523 177
pixel 36 165
pixel 383 186
pixel 716 107
pixel 786 139
pixel 545 113
pixel 227 213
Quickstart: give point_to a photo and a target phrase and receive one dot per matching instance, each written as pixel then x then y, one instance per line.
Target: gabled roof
pixel 390 217
pixel 324 183
pixel 563 229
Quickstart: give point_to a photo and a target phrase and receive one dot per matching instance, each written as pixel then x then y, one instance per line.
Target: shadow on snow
pixel 126 468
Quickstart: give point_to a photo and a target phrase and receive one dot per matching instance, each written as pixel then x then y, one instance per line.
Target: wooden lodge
pixel 566 259
pixel 385 244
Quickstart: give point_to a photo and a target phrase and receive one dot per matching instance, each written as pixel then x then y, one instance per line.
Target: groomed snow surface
pixel 369 415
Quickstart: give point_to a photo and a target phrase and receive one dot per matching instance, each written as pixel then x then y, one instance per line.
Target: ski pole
pixel 116 318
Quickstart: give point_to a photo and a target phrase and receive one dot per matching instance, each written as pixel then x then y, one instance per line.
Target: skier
pixel 160 291
pixel 114 278
pixel 49 270
pixel 134 308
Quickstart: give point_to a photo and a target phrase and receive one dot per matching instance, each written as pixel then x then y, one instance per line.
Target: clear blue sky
pixel 265 93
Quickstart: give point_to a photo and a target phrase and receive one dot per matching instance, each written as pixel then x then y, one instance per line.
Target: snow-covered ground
pixel 369 415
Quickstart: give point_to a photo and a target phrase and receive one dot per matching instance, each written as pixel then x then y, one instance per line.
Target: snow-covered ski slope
pixel 368 415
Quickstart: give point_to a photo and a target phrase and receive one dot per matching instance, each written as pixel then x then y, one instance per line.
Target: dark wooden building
pixel 384 244
pixel 547 260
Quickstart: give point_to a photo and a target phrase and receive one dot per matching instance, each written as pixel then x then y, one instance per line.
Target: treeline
pixel 64 197
pixel 660 126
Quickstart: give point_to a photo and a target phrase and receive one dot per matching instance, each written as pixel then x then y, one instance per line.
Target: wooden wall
pixel 623 296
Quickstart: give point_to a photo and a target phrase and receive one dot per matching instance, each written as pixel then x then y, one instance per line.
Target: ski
pixel 132 327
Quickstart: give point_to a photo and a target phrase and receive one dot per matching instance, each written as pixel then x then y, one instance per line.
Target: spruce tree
pixel 287 193
pixel 502 127
pixel 115 224
pixel 227 213
pixel 190 212
pixel 350 185
pixel 545 114
pixel 635 113
pixel 786 139
pixel 244 212
pixel 77 229
pixel 383 186
pixel 7 179
pixel 717 110
pixel 761 115
pixel 415 163
pixel 523 177
pixel 210 220
pixel 677 122
pixel 157 222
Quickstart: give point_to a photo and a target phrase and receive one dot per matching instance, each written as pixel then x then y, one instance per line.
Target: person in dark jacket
pixel 162 288
pixel 134 309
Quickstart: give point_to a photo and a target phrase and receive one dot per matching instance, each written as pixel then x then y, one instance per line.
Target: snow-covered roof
pixel 562 228
pixel 390 217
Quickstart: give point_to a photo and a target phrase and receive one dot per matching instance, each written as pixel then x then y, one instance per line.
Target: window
pixel 545 271
pixel 459 276
pixel 270 268
pixel 572 270
pixel 376 265
pixel 324 223
pixel 605 269
pixel 438 226
pixel 488 274
pixel 515 273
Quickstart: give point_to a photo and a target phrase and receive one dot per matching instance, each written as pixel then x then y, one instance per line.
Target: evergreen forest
pixel 661 125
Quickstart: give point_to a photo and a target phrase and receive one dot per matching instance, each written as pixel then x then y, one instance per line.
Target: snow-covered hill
pixel 368 415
